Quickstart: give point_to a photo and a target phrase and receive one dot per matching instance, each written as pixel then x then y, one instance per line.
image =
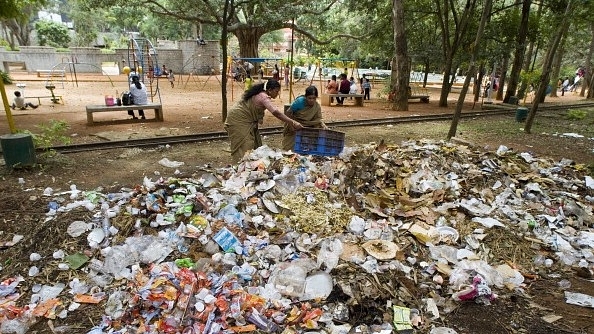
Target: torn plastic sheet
pixel 580 299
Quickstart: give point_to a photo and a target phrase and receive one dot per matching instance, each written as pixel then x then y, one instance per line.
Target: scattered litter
pixel 168 163
pixel 15 238
pixel 550 318
pixel 290 243
pixel 580 299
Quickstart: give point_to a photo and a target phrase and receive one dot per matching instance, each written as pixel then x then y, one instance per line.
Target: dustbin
pixel 521 114
pixel 513 100
pixel 18 150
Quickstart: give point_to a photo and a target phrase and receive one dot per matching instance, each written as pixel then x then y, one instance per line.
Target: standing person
pixel 307 111
pixel 139 96
pixel 286 74
pixel 564 86
pixel 245 116
pixel 260 73
pixel 164 70
pixel 171 78
pixel 366 89
pixel 361 82
pixel 332 87
pixel 344 88
pixel 19 102
pixel 247 82
pixel 276 73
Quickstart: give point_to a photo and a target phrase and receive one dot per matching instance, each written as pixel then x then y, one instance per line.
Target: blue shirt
pixel 298 104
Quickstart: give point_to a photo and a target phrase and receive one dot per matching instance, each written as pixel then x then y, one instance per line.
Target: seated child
pixel 19 102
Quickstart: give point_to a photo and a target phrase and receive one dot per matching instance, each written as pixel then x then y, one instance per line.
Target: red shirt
pixel 345 86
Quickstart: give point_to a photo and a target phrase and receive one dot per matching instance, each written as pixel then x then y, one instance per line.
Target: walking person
pixel 244 118
pixel 171 78
pixel 139 96
pixel 366 89
pixel 306 110
pixel 565 86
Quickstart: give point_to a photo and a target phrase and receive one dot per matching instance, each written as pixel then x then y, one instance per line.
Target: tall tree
pixel 401 60
pixel 454 23
pixel 19 23
pixel 249 19
pixel 563 25
pixel 519 51
pixel 472 68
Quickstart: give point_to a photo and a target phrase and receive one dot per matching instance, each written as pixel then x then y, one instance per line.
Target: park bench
pixel 157 107
pixel 357 97
pixel 51 73
pixel 418 92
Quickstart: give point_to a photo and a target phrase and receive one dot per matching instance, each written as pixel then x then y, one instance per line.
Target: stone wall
pixel 189 57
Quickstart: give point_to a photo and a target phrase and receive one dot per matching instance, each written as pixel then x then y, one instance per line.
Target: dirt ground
pixel 193 106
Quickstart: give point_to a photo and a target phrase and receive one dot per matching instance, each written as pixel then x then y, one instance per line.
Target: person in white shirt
pixel 19 102
pixel 139 96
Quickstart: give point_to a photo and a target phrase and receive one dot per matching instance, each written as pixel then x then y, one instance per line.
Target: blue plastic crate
pixel 319 142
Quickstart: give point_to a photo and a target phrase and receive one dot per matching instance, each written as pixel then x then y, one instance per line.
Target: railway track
pixel 222 135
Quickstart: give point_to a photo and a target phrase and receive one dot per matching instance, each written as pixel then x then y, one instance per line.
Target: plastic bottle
pixel 301 176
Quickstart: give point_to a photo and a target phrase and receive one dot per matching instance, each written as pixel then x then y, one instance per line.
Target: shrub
pixel 576 114
pixel 6 78
pixel 49 135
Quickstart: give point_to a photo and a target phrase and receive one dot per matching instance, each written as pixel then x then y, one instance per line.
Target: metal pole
pixel 291 62
pixel 7 107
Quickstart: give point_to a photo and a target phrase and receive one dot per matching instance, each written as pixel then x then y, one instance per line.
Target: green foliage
pixel 50 134
pixel 52 34
pixel 8 8
pixel 6 77
pixel 531 77
pixel 576 114
pixel 5 44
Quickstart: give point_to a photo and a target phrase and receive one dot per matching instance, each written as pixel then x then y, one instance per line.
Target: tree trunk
pixel 587 79
pixel 248 40
pixel 20 28
pixel 557 66
pixel 401 62
pixel 514 77
pixel 478 89
pixel 445 83
pixel 451 43
pixel 502 78
pixel 471 70
pixel 227 9
pixel 528 59
pixel 546 66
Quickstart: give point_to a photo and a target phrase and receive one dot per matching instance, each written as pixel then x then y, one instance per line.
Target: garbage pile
pixel 380 239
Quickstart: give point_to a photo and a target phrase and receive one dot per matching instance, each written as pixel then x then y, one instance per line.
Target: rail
pixel 222 135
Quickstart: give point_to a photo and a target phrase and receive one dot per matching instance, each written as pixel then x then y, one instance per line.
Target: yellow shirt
pixel 248 83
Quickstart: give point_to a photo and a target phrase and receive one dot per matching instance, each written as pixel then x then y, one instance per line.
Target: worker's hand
pixel 297 126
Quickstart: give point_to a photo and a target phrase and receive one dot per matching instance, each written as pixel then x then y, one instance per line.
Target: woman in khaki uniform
pixel 307 111
pixel 244 118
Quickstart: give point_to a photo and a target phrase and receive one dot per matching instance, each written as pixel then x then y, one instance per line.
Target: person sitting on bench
pixel 343 88
pixel 19 102
pixel 139 97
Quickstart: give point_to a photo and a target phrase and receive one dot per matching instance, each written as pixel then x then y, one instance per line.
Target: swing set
pixel 238 70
